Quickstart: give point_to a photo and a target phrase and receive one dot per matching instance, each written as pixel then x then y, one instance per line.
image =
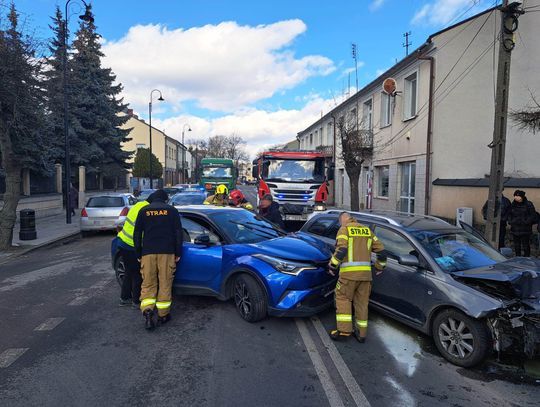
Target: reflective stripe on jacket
pixel 354 244
pixel 126 234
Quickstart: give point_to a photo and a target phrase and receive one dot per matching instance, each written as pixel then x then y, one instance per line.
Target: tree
pixel 356 147
pixel 22 142
pixel 235 148
pixel 529 117
pixel 97 137
pixel 141 166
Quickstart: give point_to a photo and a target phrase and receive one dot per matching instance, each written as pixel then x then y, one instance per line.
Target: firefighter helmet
pixel 236 196
pixel 222 189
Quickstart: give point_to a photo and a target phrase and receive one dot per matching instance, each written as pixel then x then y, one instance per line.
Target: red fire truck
pixel 297 181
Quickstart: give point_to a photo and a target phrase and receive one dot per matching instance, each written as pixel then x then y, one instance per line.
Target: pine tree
pixel 141 166
pixel 96 106
pixel 22 140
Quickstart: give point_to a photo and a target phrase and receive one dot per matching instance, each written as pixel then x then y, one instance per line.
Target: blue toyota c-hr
pixel 231 253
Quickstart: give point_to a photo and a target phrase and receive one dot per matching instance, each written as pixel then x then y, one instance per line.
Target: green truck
pixel 216 171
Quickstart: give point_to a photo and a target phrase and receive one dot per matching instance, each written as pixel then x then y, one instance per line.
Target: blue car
pixel 231 253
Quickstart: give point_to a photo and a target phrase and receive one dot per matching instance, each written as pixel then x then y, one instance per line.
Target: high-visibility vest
pixel 126 234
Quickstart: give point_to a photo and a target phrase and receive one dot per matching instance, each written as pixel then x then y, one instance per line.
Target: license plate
pixel 97 222
pixel 295 217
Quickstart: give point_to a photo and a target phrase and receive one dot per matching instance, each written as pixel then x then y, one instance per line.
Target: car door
pixel 200 265
pixel 399 289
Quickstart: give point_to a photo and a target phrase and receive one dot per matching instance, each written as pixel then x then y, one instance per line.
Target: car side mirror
pixel 409 260
pixel 506 252
pixel 203 240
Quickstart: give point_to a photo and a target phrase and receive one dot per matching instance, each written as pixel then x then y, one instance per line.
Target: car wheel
pixel 249 298
pixel 119 269
pixel 462 340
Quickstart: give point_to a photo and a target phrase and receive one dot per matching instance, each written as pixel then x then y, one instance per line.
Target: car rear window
pixel 326 227
pixel 105 202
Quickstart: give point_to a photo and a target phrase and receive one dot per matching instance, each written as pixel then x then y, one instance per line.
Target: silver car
pixel 105 212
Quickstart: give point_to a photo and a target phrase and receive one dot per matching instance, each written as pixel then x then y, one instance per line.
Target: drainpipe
pixel 429 135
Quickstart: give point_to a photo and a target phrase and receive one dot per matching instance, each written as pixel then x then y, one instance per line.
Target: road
pixel 65 341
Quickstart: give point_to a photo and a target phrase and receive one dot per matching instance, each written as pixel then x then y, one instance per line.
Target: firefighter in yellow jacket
pixel 220 198
pixel 352 258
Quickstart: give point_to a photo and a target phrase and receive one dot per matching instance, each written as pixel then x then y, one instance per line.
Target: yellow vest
pixel 126 234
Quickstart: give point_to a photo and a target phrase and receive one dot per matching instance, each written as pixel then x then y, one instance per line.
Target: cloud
pixel 260 128
pixel 376 4
pixel 442 12
pixel 221 67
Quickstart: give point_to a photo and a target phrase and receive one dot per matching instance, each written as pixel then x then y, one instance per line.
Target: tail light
pixel 84 214
pixel 124 211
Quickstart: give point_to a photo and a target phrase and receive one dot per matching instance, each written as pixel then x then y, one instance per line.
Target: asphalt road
pixel 64 341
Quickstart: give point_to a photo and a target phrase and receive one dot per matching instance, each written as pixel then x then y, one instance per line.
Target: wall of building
pixel 140 135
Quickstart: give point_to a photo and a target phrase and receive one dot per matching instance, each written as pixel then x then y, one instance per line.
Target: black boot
pixel 149 322
pixel 164 320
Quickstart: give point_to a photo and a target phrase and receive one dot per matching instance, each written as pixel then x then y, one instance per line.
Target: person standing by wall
pixel 73 198
pixel 503 204
pixel 521 218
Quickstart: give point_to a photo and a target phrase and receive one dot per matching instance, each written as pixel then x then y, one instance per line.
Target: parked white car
pixel 105 212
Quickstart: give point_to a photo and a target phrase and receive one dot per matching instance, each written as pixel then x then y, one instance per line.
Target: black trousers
pixel 502 234
pixel 522 241
pixel 131 286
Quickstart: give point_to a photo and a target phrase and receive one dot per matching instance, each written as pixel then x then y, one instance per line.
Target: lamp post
pixel 160 98
pixel 184 153
pixel 87 16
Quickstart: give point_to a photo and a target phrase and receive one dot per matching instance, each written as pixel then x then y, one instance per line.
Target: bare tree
pixel 235 148
pixel 529 117
pixel 356 147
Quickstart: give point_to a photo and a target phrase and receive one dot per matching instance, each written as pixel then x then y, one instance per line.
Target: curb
pixel 26 250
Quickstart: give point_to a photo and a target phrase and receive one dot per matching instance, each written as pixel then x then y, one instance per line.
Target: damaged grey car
pixel 451 284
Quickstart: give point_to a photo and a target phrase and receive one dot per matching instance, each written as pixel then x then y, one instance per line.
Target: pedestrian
pixel 521 218
pixel 158 246
pixel 352 260
pixel 219 198
pixel 504 205
pixel 73 198
pixel 238 200
pixel 269 210
pixel 130 292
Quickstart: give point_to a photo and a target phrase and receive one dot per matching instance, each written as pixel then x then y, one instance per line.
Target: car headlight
pixel 319 207
pixel 285 266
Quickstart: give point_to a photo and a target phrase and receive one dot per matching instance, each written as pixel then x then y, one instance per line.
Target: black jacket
pixel 272 214
pixel 505 211
pixel 522 217
pixel 158 230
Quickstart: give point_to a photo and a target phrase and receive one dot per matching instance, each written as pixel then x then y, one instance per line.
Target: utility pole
pixel 509 23
pixel 407 44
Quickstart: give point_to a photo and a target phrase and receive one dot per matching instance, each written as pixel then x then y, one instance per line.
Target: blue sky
pixel 260 69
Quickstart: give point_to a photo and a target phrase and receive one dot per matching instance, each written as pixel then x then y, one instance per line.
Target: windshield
pixel 216 171
pixel 294 170
pixel 187 199
pixel 458 251
pixel 242 226
pixel 105 202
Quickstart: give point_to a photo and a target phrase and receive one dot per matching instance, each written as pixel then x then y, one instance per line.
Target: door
pixel 399 289
pixel 408 182
pixel 200 265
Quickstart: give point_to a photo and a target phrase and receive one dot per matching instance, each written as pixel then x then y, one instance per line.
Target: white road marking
pixel 356 393
pixel 9 356
pixel 80 300
pixel 49 324
pixel 88 293
pixel 405 398
pixel 324 377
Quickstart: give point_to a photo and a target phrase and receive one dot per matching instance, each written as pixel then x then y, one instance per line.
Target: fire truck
pixel 297 181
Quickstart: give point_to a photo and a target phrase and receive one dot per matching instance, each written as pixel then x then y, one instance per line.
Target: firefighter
pixel 352 259
pixel 131 284
pixel 219 198
pixel 158 245
pixel 237 199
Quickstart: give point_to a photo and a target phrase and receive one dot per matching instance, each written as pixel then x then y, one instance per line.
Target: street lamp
pixel 184 152
pixel 87 16
pixel 160 98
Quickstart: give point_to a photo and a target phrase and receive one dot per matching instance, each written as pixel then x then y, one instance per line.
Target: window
pixel 410 96
pixel 395 245
pixel 408 181
pixel 316 138
pixel 321 141
pixel 310 140
pixel 141 145
pixel 382 180
pixel 367 115
pixel 353 118
pixel 386 109
pixel 326 227
pixel 330 134
pixel 194 228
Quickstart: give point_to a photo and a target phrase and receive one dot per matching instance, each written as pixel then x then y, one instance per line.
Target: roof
pixel 509 182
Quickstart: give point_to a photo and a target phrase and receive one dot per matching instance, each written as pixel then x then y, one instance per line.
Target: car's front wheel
pixel 249 298
pixel 462 340
pixel 119 269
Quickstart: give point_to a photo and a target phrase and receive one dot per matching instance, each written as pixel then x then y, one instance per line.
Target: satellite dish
pixel 389 86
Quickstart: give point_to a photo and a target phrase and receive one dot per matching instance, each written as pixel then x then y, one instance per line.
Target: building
pixel 454 123
pixel 167 149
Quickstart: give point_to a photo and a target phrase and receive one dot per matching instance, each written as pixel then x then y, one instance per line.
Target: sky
pixel 263 70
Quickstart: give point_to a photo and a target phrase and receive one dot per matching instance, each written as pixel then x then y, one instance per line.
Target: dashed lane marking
pixel 334 399
pixel 49 324
pixel 80 300
pixel 89 292
pixel 344 371
pixel 9 356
